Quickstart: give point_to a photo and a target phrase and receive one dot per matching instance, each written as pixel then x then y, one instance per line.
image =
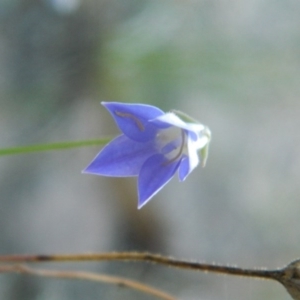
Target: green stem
pixel 52 146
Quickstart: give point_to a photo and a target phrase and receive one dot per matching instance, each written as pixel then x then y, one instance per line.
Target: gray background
pixel 233 65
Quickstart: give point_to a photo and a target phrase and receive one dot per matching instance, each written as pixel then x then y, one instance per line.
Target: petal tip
pixel 86 171
pixel 143 202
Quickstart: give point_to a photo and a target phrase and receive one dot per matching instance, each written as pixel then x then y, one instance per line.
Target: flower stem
pixel 52 146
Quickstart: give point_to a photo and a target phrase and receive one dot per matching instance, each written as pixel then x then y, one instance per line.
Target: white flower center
pixel 172 142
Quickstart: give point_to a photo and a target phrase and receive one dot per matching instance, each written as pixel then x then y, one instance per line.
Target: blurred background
pixel 233 65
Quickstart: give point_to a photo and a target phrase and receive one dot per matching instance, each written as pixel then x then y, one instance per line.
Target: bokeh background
pixel 234 65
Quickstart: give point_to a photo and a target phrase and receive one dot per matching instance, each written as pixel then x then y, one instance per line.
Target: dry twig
pixel 22 269
pixel 288 276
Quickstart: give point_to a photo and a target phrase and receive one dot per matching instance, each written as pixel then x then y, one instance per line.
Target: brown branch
pixel 289 276
pixel 142 256
pixel 22 269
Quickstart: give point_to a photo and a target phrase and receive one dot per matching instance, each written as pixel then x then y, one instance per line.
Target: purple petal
pixel 121 157
pixel 156 172
pixel 133 119
pixel 170 146
pixel 184 168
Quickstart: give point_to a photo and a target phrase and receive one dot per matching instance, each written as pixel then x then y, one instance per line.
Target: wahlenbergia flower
pixel 153 146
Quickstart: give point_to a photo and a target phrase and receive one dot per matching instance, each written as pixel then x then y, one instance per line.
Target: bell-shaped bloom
pixel 153 146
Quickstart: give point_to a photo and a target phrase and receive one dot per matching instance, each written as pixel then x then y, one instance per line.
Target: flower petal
pixel 193 147
pixel 133 119
pixel 156 172
pixel 190 160
pixel 121 157
pixel 184 168
pixel 172 119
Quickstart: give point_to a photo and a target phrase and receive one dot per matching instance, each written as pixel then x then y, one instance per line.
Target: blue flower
pixel 153 146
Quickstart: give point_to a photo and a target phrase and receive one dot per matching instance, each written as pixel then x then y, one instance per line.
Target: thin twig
pixel 142 256
pixel 288 276
pixel 22 269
